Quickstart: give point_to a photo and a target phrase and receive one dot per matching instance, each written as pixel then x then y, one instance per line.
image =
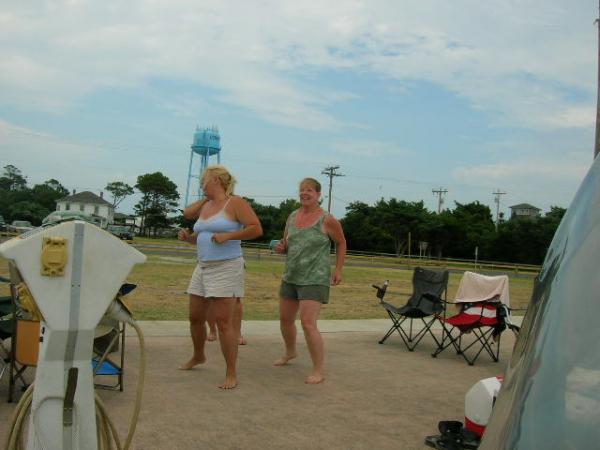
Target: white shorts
pixel 223 278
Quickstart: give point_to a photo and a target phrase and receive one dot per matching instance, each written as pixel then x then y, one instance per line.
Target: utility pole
pixel 597 142
pixel 440 193
pixel 331 172
pixel 497 201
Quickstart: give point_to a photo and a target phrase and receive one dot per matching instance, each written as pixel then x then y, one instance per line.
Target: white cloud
pixel 41 156
pixel 367 148
pixel 532 169
pixel 519 60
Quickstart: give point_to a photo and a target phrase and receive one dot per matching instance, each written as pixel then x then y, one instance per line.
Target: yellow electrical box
pixel 54 256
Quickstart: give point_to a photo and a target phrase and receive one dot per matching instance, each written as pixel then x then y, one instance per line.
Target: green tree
pixel 526 241
pixel 269 219
pixel 28 210
pixel 286 207
pixel 12 179
pixel 472 227
pixel 363 231
pixel 119 191
pixel 47 193
pixel 398 218
pixel 13 190
pixel 159 199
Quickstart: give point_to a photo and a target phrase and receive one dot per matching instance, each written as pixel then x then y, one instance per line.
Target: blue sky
pixel 405 96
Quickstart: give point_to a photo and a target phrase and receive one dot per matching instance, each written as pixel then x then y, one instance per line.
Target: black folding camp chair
pixel 425 304
pixel 110 338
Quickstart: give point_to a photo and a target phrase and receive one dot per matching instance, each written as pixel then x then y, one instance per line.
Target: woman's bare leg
pixel 228 336
pixel 287 323
pixel 198 308
pixel 212 326
pixel 238 313
pixel 309 313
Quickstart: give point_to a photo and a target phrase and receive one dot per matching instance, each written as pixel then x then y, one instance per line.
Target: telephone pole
pixel 440 193
pixel 331 172
pixel 497 201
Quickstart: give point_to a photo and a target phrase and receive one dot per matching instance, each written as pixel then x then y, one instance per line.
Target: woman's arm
pixel 334 230
pixel 245 215
pixel 192 212
pixel 281 246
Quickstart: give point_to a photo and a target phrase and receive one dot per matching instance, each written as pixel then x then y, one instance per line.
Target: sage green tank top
pixel 308 249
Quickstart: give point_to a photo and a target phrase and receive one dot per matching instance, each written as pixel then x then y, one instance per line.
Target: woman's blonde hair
pixel 225 178
pixel 314 183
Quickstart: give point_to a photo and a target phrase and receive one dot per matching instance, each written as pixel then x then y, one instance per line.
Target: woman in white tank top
pixel 223 221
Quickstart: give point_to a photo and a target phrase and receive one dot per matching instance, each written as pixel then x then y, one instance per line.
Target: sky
pixel 405 96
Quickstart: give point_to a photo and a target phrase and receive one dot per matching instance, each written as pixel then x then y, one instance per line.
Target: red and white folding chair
pixel 484 312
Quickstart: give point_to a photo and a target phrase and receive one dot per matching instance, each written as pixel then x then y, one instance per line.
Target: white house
pixel 89 203
pixel 524 210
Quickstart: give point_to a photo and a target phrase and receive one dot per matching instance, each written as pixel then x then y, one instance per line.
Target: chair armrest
pixel 381 289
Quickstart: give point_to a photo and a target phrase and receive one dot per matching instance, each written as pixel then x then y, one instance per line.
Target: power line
pixel 440 193
pixel 331 172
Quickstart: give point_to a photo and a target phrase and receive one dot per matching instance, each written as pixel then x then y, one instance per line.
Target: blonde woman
pixel 223 221
pixel 307 274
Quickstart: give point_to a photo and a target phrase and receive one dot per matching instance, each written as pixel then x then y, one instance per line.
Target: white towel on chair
pixel 475 287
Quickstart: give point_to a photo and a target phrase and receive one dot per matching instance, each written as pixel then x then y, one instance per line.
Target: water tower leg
pixel 187 189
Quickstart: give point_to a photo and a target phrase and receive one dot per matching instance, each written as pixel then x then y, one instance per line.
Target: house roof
pixel 123 216
pixel 85 197
pixel 524 206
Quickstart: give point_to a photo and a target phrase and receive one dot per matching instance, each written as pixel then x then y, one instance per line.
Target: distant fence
pixel 393 261
pixel 371 259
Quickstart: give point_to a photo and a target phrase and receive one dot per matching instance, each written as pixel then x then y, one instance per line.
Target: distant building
pixel 524 210
pixel 90 203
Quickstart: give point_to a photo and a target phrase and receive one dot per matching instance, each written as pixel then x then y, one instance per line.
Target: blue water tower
pixel 207 143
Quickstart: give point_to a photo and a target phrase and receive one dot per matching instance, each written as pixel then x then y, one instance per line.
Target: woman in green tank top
pixel 307 274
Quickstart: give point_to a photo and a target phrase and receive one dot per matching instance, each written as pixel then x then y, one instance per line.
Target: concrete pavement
pixel 374 396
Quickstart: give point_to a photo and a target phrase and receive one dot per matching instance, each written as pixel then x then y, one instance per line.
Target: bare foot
pixel 314 379
pixel 212 336
pixel 284 360
pixel 192 363
pixel 229 383
pixel 242 340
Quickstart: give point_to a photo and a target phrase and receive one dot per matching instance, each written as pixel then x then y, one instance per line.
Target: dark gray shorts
pixel 315 292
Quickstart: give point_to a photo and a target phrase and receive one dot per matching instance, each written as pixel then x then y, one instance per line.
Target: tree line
pixel 388 226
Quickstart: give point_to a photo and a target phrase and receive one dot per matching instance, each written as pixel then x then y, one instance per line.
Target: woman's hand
pixel 186 235
pixel 336 278
pixel 183 235
pixel 220 238
pixel 281 246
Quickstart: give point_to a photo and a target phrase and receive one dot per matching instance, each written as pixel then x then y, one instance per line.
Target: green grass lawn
pixel 162 281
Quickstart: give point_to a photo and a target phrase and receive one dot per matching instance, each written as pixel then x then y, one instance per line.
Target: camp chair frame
pixel 421 305
pixel 6 330
pixel 486 335
pixel 105 366
pixel 16 368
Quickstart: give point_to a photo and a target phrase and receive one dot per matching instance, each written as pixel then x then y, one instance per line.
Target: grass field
pixel 162 281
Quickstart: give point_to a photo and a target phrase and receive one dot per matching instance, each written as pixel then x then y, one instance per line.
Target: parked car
pixel 62 216
pixel 121 231
pixel 20 226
